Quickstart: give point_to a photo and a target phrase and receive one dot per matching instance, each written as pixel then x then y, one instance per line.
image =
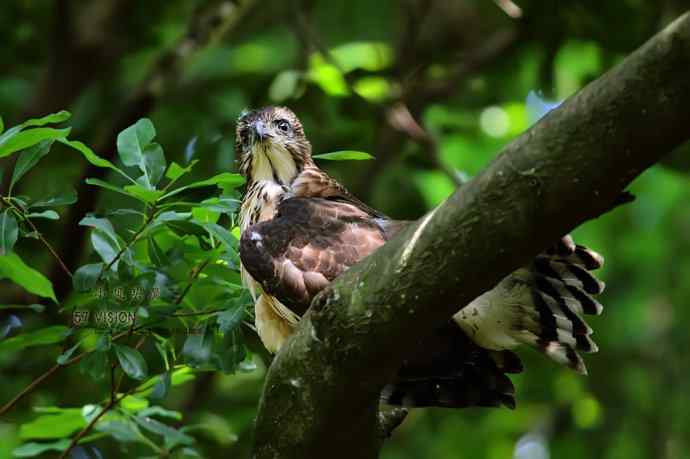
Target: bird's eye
pixel 283 126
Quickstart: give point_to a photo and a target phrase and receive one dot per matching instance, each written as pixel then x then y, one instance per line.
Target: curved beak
pixel 260 131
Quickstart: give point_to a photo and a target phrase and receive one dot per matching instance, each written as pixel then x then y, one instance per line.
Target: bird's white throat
pixel 272 162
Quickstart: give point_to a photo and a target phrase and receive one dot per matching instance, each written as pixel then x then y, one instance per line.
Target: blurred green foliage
pixel 464 69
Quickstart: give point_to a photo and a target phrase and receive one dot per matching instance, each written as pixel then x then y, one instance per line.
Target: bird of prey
pixel 300 229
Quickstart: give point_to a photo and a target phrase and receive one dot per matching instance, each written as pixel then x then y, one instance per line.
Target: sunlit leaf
pixel 55 423
pixel 134 404
pixel 53 118
pixel 30 137
pixel 12 267
pixel 205 215
pixel 345 155
pixel 143 194
pixel 175 171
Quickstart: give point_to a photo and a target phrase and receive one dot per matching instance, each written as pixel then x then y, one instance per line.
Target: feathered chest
pixel 260 202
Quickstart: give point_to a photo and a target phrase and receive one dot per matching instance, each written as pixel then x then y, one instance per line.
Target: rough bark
pixel 321 393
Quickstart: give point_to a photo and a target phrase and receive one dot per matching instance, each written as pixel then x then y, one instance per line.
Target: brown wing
pixel 313 182
pixel 308 243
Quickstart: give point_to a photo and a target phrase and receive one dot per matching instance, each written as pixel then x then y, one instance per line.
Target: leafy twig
pixel 7 202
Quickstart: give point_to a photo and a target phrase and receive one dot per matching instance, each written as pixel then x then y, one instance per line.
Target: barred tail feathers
pixel 541 306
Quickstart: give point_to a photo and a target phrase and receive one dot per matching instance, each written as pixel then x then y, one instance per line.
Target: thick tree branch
pixel 321 393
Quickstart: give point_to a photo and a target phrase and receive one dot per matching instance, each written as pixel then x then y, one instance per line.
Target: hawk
pixel 300 229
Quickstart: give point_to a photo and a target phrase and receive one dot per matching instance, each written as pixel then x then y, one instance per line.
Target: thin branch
pixel 192 278
pixel 7 202
pixel 132 241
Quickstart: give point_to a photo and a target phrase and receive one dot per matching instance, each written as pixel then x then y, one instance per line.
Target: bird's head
pixel 271 145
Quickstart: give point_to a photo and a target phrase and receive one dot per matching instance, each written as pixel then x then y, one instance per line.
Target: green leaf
pixel 231 318
pixel 160 390
pixel 284 86
pixel 2 125
pixel 48 214
pixel 226 179
pixel 28 159
pixel 63 199
pixel 65 356
pixel 172 437
pixel 34 449
pixel 9 232
pixel 102 224
pixel 92 157
pixel 56 423
pixel 197 347
pixel 156 254
pixel 107 186
pixel 143 194
pixel 124 431
pixel 103 238
pixel 131 362
pixel 85 277
pixel 223 205
pixel 175 171
pixel 230 351
pixel 132 141
pixel 345 155
pixel 171 216
pixel 13 268
pixel 136 148
pixel 28 138
pixel 48 335
pixel 154 163
pixel 160 411
pixel 95 365
pixel 134 404
pixel 53 118
pixel 221 233
pixel 105 247
pixel 205 215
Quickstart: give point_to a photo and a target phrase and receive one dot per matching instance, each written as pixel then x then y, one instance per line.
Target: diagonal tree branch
pixel 321 393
